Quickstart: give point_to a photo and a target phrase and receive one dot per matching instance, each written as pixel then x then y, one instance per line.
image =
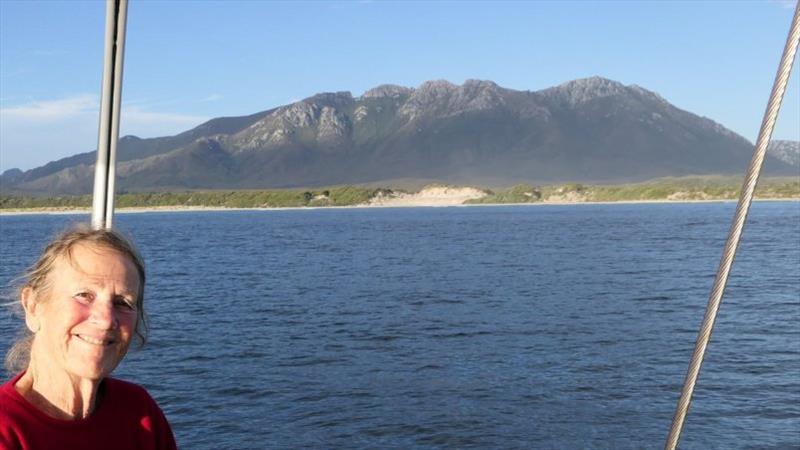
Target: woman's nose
pixel 102 315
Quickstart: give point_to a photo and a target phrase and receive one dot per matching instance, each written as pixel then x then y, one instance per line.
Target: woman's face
pixel 86 321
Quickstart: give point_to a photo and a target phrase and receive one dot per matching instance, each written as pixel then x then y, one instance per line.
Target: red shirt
pixel 126 418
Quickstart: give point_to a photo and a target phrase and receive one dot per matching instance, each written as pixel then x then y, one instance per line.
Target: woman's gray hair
pixel 36 278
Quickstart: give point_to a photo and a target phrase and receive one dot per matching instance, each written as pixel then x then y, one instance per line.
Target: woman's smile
pixel 94 341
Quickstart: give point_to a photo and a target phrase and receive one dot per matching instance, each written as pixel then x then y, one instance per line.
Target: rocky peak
pixel 428 98
pixel 337 100
pixel 387 90
pixel 595 84
pixel 582 90
pixel 443 97
pixel 435 89
pixel 478 94
pixel 322 116
pixel 479 85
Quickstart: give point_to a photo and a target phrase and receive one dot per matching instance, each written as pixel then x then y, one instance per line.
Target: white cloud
pixel 140 122
pixel 49 110
pixel 38 132
pixel 34 133
pixel 788 4
pixel 212 98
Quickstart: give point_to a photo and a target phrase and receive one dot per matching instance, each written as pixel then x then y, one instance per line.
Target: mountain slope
pixel 587 130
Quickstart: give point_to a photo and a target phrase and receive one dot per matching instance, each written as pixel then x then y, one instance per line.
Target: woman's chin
pixel 95 362
pixel 91 372
pixel 94 368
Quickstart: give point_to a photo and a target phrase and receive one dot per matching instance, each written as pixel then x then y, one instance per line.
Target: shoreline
pixel 421 204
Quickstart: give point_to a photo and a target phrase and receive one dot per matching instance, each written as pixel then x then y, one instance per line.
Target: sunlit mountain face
pixel 591 130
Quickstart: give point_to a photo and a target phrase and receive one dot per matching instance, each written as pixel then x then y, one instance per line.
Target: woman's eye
pixel 124 303
pixel 84 296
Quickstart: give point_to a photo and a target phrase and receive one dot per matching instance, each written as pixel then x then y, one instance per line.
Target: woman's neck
pixel 56 393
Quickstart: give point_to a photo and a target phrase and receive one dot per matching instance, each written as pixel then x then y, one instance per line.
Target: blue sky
pixel 188 61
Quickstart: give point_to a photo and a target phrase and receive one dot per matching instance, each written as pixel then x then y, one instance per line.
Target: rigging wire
pixel 108 129
pixel 734 236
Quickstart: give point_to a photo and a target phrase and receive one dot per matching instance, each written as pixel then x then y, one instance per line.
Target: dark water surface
pixel 488 327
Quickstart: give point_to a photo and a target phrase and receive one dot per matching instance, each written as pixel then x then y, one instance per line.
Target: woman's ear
pixel 28 300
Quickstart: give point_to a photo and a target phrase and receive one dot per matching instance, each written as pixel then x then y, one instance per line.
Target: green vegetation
pixel 65 202
pixel 351 195
pixel 694 188
pixel 278 198
pixel 678 189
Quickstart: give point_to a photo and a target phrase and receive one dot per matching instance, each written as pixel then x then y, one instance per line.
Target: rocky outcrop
pixel 786 151
pixel 388 91
pixel 577 92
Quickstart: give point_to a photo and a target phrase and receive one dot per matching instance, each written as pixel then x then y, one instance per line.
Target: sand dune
pixel 429 196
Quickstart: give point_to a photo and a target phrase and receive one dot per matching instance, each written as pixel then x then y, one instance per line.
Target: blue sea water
pixel 563 327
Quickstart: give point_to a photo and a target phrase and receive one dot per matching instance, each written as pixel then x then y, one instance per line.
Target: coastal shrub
pixel 349 195
pixel 23 202
pixel 573 187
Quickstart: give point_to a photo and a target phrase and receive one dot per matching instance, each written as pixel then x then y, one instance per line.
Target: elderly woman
pixel 83 302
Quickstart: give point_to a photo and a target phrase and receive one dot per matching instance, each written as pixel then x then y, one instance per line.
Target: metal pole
pixel 746 197
pixel 108 129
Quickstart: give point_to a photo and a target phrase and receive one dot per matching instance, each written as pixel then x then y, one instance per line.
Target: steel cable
pixel 739 218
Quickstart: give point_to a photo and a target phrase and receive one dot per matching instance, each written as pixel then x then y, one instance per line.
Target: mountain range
pixel 591 130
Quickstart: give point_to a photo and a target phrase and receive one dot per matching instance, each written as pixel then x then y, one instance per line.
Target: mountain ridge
pixel 586 130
